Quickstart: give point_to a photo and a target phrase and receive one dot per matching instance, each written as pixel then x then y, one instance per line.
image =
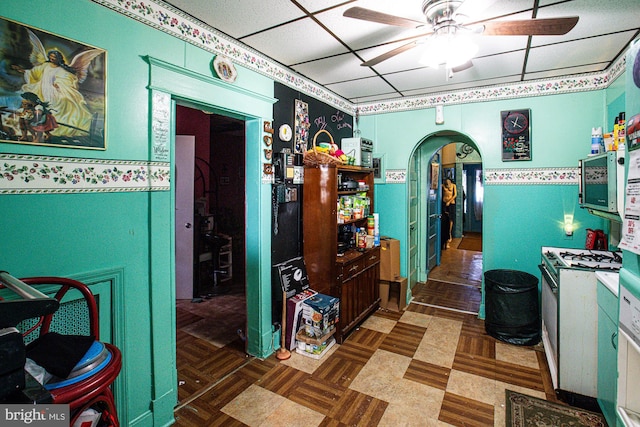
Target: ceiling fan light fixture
pixel 450 50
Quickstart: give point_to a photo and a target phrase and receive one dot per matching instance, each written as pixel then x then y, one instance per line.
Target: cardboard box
pixel 320 314
pixel 294 316
pixel 393 294
pixel 389 258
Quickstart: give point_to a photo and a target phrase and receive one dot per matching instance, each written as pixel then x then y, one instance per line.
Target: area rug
pixel 523 410
pixel 471 242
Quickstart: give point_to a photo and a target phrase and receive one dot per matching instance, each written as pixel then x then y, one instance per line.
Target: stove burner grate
pixel 597 267
pixel 591 257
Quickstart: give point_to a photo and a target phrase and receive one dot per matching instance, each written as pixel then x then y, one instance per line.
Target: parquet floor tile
pixel 283 380
pixel 380 375
pixel 477 365
pixel 460 411
pixel 428 374
pixel 403 339
pixel 341 369
pixel 356 408
pixel 317 394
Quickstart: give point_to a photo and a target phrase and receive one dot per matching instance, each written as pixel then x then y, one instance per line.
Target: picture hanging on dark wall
pixel 516 135
pixel 302 124
pixel 53 89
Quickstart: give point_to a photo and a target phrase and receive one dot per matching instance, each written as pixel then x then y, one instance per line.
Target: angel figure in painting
pixel 57 83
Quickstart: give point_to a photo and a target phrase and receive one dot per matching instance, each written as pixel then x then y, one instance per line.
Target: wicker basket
pixel 314 157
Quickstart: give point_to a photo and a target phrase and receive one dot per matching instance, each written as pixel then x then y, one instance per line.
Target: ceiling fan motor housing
pixel 439 11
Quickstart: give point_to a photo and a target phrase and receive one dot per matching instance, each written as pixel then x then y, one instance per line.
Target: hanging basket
pixel 313 157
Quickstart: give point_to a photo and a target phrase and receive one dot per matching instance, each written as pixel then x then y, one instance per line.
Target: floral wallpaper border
pixel 26 174
pixel 395 176
pixel 166 18
pixel 577 83
pixel 555 176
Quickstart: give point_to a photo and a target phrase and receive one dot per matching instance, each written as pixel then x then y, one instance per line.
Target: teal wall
pixel 518 219
pixel 84 235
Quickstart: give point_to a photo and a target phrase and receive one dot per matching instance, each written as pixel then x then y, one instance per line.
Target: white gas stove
pixel 555 258
pixel 569 317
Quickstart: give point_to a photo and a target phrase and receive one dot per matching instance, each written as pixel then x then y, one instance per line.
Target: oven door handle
pixel 546 276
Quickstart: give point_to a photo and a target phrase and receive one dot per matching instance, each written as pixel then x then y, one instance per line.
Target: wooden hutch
pixel 353 276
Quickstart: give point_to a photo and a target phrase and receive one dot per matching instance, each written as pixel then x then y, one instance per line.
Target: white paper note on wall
pixel 631 216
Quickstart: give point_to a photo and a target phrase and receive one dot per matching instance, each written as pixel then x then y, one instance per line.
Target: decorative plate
pixel 224 68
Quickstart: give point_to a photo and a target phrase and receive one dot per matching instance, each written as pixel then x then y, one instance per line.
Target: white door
pixel 184 179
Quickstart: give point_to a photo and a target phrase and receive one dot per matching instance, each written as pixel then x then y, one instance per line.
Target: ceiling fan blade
pixel 531 27
pixel 462 67
pixel 378 59
pixel 381 18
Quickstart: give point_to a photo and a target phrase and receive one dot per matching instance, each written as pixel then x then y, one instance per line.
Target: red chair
pixel 94 390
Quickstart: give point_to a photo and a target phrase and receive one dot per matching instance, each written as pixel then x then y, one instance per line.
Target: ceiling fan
pixel 443 17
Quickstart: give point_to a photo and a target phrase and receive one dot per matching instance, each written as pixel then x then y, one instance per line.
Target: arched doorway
pixel 439 155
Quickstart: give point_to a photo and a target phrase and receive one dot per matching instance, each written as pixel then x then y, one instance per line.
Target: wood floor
pixel 426 366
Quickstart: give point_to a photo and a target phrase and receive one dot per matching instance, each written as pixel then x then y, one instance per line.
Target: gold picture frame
pixel 54 89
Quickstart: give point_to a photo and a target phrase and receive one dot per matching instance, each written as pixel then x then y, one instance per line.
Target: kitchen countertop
pixel 610 280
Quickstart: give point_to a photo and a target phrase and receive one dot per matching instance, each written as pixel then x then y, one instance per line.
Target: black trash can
pixel 512 310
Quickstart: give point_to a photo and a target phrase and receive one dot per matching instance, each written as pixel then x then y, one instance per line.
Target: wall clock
pixel 285 133
pixel 516 135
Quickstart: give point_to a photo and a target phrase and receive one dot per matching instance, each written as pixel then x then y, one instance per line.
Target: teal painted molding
pixel 258 244
pixel 115 277
pixel 162 299
pixel 185 84
pixel 165 82
pixel 163 408
pixel 161 249
pixel 145 419
pixel 255 110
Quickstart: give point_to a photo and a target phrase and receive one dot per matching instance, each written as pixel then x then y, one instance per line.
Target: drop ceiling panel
pixel 452 86
pixel 360 88
pixel 318 5
pixel 239 18
pixel 576 53
pixel 596 17
pixel 491 45
pixel 483 69
pixel 593 68
pixel 480 10
pixel 299 41
pixel 334 69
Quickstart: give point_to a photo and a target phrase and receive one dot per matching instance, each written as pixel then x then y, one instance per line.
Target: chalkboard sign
pixel 321 116
pixel 293 276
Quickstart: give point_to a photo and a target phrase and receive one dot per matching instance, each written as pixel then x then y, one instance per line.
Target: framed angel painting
pixel 52 89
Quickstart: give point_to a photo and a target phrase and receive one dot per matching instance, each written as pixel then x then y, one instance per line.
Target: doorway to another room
pixel 211 306
pixel 452 277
